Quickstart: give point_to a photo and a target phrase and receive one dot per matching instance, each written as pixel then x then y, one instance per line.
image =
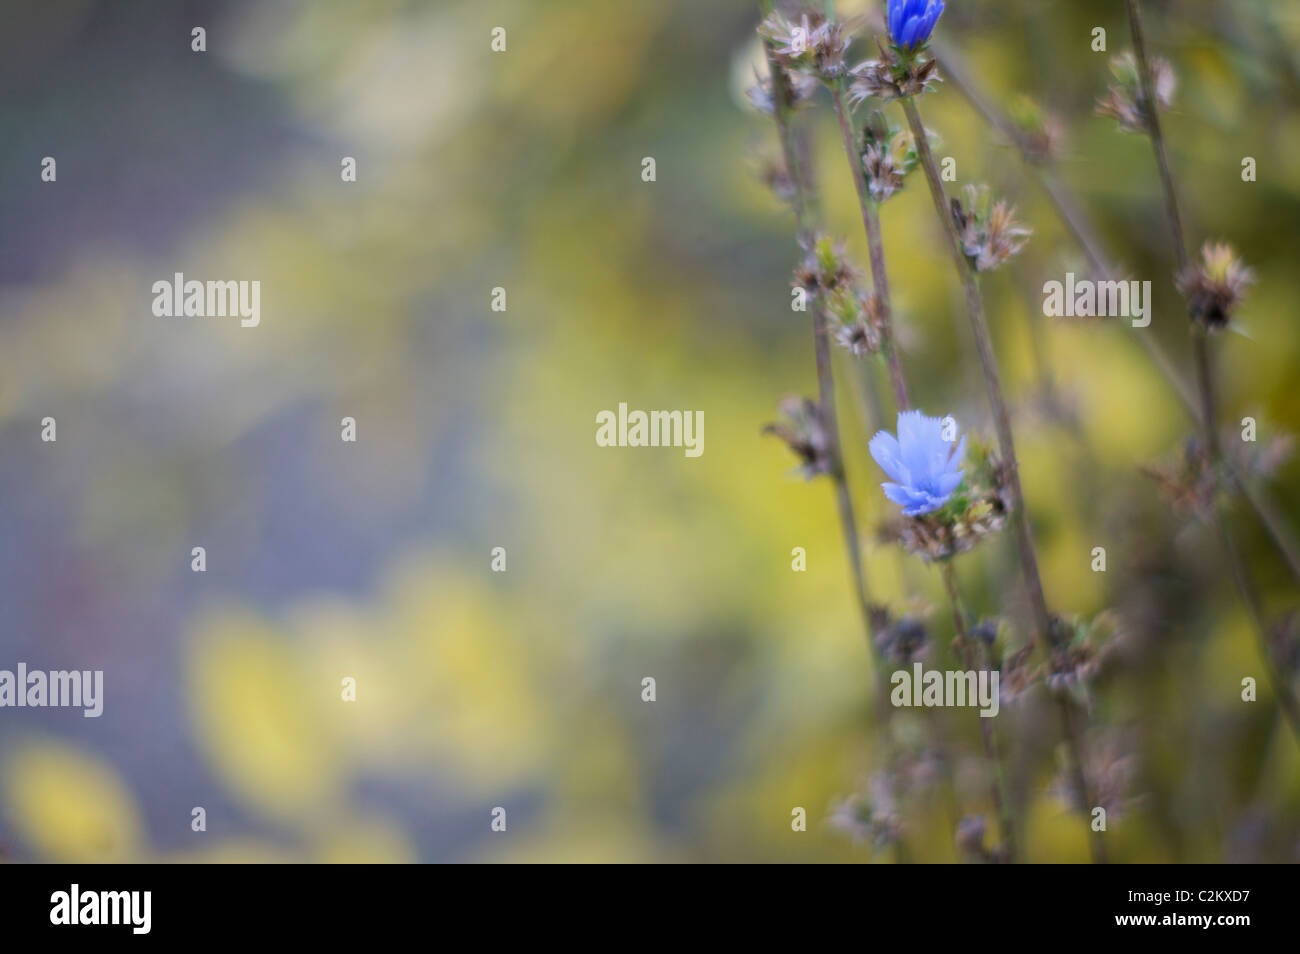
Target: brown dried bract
pixel 1214 286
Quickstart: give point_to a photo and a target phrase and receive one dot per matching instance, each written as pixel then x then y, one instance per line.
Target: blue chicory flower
pixel 922 463
pixel 912 21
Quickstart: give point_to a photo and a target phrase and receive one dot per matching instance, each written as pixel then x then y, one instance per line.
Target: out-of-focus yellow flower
pixel 70 806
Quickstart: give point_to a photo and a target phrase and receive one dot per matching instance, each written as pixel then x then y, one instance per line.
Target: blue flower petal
pixel 958 453
pixel 896 8
pixel 911 30
pixel 886 452
pixel 917 435
pixel 903 496
pixel 924 466
pixel 947 483
pixel 933 12
pixel 927 505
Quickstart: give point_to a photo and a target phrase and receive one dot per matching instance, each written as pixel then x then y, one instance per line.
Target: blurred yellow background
pixel 371 560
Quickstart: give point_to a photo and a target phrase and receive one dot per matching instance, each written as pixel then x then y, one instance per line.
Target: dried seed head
pixel 1110 767
pixel 936 537
pixel 893 76
pixel 804 432
pixel 859 339
pixel 1019 675
pixel 812 44
pixel 986 631
pixel 1188 483
pixel 1080 651
pixel 883 177
pixel 825 268
pixel 797 90
pixel 989 232
pixel 902 640
pixel 861 322
pixel 1039 134
pixel 888 154
pixel 1123 100
pixel 872 818
pixel 775 175
pixel 1074 659
pixel 1214 286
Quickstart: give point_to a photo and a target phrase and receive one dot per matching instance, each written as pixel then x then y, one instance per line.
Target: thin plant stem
pixel 875 248
pixel 1070 214
pixel 1205 384
pixel 883 301
pixel 1157 138
pixel 873 409
pixel 1205 379
pixel 989 367
pixel 798 164
pixel 1286 698
pixel 825 382
pixel 1278 529
pixel 1042 623
pixel 998 790
pixel 796 155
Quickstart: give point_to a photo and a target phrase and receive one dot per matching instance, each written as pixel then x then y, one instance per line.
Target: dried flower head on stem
pixel 888 155
pixel 990 235
pixel 894 75
pixel 810 44
pixel 1188 482
pixel 902 640
pixel 1214 286
pixel 804 432
pixel 861 326
pixel 798 90
pixel 946 510
pixel 1039 134
pixel 1124 100
pixel 872 818
pixel 1112 768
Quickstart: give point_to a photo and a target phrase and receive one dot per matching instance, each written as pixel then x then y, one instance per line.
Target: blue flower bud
pixel 912 21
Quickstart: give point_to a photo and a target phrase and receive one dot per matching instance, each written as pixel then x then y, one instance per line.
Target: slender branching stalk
pixel 1042 621
pixel 1205 379
pixel 798 164
pixel 1076 223
pixel 875 248
pixel 967 650
pixel 989 367
pixel 870 210
pixel 1069 212
pixel 797 161
pixel 1152 111
pixel 794 160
